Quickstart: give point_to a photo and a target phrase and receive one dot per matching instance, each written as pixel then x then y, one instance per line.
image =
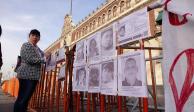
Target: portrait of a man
pixel 121 31
pixel 107 77
pixel 94 78
pixel 130 73
pixel 107 40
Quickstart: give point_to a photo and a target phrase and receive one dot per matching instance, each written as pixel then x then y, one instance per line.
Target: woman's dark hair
pixel 35 32
pixel 0 30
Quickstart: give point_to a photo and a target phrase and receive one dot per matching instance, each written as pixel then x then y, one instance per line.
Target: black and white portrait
pixel 81 77
pixel 107 77
pixel 51 62
pixel 80 52
pixel 130 76
pixel 62 72
pixel 94 77
pixel 93 47
pixel 107 42
pixel 108 84
pixel 133 27
pixel 60 54
pixel 121 31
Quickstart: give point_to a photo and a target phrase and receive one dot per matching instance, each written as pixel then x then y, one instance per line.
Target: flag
pixel 178 52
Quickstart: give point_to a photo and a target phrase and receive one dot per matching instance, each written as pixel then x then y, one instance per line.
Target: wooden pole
pixel 78 102
pixel 88 102
pixel 102 105
pixel 54 76
pixel 153 81
pixel 70 79
pixel 49 90
pixel 93 103
pixel 82 101
pixel 58 95
pixel 145 100
pixel 119 98
pixel 42 89
pixel 66 77
pixel 45 90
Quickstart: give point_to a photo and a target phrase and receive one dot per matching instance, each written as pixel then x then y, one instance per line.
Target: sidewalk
pixel 6 102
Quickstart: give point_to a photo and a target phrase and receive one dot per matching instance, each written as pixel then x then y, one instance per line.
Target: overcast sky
pixel 18 17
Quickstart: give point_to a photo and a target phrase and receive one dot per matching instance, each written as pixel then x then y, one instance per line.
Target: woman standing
pixel 28 73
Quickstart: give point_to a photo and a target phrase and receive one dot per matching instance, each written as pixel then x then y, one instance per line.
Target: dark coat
pixel 137 83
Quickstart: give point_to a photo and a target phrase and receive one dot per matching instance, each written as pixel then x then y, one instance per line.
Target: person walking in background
pixel 29 71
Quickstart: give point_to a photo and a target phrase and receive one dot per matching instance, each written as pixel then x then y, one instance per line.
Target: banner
pixel 178 62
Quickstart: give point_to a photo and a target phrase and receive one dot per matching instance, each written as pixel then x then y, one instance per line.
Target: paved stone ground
pixel 6 102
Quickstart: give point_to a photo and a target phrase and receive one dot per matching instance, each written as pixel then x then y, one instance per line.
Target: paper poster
pixel 51 62
pixel 80 76
pixel 132 74
pixel 62 72
pixel 93 48
pixel 94 78
pixel 133 27
pixel 108 42
pixel 60 54
pixel 80 54
pixel 109 77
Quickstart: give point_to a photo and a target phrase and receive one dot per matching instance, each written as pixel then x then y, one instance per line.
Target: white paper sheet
pixel 80 78
pixel 132 74
pixel 94 78
pixel 108 84
pixel 133 27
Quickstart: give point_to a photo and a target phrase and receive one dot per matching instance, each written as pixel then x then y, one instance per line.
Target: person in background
pixel 28 73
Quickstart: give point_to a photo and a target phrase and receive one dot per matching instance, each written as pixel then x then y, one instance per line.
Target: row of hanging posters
pixel 98 69
pixel 52 60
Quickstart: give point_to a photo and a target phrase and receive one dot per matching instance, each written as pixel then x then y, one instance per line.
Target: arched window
pixel 77 35
pixel 122 6
pixel 109 14
pixel 103 18
pixel 94 24
pixel 83 31
pixel 129 3
pixel 86 29
pixel 99 21
pixel 137 1
pixel 80 34
pixel 90 26
pixel 114 11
